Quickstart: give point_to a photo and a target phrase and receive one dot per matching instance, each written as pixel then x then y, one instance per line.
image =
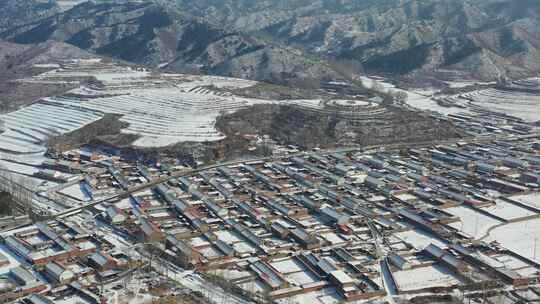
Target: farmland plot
pixel 531 199
pixel 419 99
pixel 162 109
pixel 164 116
pixel 519 104
pixel 425 277
pixel 28 128
pixel 521 237
pixel 472 223
pixel 508 211
pixel 521 101
pixel 23 144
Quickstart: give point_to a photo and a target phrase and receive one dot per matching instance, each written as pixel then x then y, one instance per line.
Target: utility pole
pixel 534 249
pixel 476 226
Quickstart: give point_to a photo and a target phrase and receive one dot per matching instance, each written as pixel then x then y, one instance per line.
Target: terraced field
pixel 164 109
pixel 22 145
pixel 524 105
pixel 164 116
pixel 28 128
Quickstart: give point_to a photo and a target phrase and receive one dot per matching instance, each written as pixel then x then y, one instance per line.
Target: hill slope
pixel 287 40
pixel 154 35
pixel 18 61
pixel 483 39
pixel 13 13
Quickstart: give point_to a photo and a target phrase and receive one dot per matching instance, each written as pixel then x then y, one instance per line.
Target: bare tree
pixel 309 83
pixel 348 68
pixel 400 97
pixel 19 189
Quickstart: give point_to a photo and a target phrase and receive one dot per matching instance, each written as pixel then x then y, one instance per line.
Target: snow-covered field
pixel 425 277
pixel 20 168
pixel 162 109
pixel 463 84
pixel 472 223
pixel 75 192
pixel 531 199
pixel 419 239
pixel 521 237
pixel 164 116
pixel 27 128
pixel 508 211
pixel 22 145
pixel 364 109
pixel 67 4
pixel 420 99
pixel 519 104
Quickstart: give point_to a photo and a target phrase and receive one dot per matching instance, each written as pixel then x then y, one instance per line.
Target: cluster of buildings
pixel 343 226
pixel 58 258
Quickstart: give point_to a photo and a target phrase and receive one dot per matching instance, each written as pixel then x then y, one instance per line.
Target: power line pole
pixel 534 249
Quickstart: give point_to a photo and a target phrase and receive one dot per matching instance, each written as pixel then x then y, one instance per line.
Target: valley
pixel 269 151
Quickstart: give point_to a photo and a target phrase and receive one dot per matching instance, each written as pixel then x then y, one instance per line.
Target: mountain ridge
pixel 151 34
pixel 299 40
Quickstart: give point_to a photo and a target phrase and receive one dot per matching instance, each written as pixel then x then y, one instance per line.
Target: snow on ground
pixel 192 81
pixel 22 145
pixel 75 191
pixel 508 211
pixel 288 265
pixel 162 109
pixel 531 199
pixel 425 277
pixel 118 242
pixel 47 65
pixel 73 299
pixel 165 116
pixel 27 128
pixel 519 104
pixel 18 168
pixel 324 296
pixel 420 99
pixel 463 84
pixel 419 239
pixel 472 223
pixel 357 103
pixel 520 237
pixel 368 108
pixel 68 4
pixel 108 73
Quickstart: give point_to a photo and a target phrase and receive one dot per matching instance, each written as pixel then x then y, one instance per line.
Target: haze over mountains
pixel 282 41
